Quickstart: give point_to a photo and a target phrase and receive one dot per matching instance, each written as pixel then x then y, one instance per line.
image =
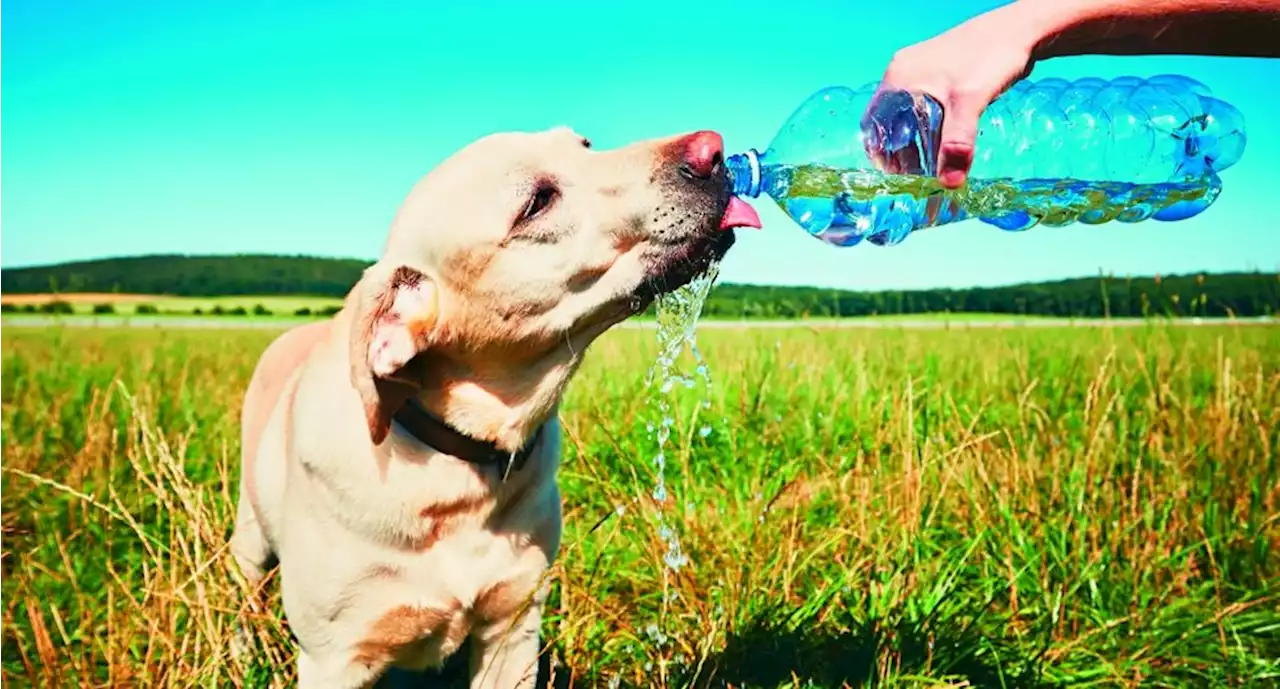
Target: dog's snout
pixel 702 156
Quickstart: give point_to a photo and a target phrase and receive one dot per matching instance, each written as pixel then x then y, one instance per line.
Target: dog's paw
pixel 400 331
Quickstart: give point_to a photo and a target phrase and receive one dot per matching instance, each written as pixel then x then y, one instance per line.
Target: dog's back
pixel 276 365
pixel 250 544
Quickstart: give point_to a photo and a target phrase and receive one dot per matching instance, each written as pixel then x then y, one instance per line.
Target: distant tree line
pixel 1225 294
pixel 190 276
pixel 1213 295
pixel 62 307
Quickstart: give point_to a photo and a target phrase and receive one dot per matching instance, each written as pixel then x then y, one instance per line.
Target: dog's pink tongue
pixel 739 214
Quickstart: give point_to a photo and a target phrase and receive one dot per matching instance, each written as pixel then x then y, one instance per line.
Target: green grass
pixel 894 508
pixel 940 317
pixel 958 317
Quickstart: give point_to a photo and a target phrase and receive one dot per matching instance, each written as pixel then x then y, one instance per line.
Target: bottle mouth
pixel 744 173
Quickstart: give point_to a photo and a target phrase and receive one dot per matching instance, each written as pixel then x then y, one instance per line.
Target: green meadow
pixel 895 507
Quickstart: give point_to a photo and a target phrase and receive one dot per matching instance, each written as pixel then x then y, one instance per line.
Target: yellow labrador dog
pixel 399 461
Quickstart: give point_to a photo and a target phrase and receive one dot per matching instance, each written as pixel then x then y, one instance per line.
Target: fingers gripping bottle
pixel 854 164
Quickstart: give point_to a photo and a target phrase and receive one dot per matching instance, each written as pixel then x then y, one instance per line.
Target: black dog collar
pixel 432 431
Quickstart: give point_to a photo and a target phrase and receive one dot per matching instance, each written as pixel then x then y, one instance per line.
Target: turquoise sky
pixel 288 126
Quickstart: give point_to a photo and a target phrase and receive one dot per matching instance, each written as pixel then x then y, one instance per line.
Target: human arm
pixel 1239 28
pixel 968 66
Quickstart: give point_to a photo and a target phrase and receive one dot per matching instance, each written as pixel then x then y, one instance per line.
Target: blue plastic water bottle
pixel 852 164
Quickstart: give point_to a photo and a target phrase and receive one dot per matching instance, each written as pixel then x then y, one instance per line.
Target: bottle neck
pixel 744 173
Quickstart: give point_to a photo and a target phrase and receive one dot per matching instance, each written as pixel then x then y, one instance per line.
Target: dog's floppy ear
pixel 394 320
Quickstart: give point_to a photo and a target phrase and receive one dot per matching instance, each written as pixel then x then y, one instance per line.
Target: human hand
pixel 964 69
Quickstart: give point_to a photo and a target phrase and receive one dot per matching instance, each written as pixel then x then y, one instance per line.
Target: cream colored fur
pixel 391 553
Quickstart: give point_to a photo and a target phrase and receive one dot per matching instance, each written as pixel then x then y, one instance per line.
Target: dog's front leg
pixel 505 653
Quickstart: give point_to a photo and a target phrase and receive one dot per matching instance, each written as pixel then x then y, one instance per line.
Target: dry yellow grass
pixel 78 298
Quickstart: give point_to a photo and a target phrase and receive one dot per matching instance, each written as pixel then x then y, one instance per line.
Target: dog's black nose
pixel 703 155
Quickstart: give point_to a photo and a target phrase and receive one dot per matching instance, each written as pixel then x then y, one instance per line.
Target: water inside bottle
pixel 846 206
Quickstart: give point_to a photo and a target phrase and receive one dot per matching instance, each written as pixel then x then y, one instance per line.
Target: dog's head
pixel 510 257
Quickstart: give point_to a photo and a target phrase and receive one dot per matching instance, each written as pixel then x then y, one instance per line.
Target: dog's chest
pixel 407 557
pixel 427 604
pixel 402 495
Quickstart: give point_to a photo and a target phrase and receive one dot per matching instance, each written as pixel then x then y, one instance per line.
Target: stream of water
pixel 677 315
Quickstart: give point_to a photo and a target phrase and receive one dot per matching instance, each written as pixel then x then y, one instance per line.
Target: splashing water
pixel 677 314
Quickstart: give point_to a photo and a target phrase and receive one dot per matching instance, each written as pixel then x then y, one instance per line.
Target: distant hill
pixel 1205 295
pixel 1212 295
pixel 191 276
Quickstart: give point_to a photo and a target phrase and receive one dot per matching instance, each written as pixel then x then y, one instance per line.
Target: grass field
pixel 1014 508
pixel 284 308
pixel 125 304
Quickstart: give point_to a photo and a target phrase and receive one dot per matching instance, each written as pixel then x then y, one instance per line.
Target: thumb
pixel 959 135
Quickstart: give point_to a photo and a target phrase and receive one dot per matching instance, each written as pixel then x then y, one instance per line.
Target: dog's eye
pixel 542 199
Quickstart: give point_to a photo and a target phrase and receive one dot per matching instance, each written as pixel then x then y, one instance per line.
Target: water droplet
pixel 704 431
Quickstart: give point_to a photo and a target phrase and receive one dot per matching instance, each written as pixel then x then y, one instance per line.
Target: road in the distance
pixel 215 323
